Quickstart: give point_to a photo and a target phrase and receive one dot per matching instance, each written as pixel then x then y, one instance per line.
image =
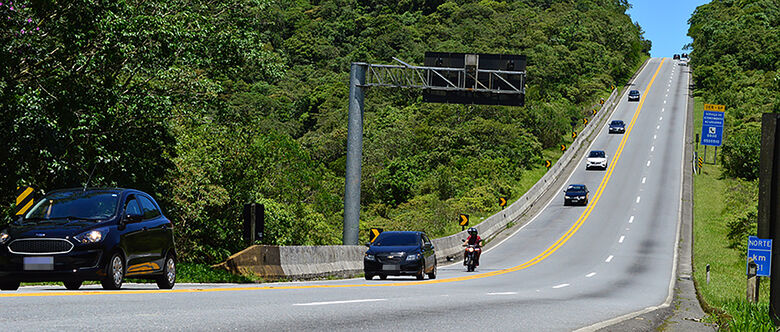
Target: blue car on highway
pixel 400 253
pixel 617 126
pixel 101 234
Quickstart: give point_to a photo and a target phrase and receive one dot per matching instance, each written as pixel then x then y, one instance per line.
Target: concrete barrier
pixel 303 262
pixel 296 262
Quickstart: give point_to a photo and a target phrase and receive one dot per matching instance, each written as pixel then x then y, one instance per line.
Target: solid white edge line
pixel 609 259
pixel 590 274
pixel 670 294
pixel 561 286
pixel 622 237
pixel 338 302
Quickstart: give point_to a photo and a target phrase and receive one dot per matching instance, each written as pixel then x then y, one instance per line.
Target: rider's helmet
pixel 472 231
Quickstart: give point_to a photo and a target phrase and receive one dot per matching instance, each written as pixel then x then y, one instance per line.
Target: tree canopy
pixel 209 105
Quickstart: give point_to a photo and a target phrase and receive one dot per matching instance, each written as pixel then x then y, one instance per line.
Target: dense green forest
pixel 212 104
pixel 736 63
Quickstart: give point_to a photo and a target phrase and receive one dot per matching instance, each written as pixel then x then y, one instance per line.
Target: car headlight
pixel 412 257
pixel 93 236
pixel 370 257
pixel 567 197
pixel 4 237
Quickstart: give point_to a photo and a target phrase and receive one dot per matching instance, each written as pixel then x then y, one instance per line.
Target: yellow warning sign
pixel 715 107
pixel 585 121
pixel 563 147
pixel 502 201
pixel 373 233
pixel 547 163
pixel 573 134
pixel 464 220
pixel 24 199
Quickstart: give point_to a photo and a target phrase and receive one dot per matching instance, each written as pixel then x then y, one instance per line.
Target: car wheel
pixel 421 274
pixel 9 285
pixel 369 276
pixel 168 279
pixel 383 277
pixel 432 275
pixel 73 284
pixel 565 202
pixel 115 273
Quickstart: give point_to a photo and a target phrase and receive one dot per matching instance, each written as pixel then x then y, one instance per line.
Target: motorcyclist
pixel 476 241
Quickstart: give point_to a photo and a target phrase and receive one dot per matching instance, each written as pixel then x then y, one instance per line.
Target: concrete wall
pixel 301 262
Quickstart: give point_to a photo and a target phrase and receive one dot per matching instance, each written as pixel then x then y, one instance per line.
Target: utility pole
pixel 769 202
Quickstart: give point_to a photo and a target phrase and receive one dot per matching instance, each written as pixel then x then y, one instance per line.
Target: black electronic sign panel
pixel 470 62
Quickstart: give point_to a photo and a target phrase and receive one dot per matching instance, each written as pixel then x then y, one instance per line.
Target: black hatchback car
pixel 97 234
pixel 400 253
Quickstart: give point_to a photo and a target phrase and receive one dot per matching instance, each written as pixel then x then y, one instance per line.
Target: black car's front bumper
pixel 84 264
pixel 377 268
pixel 617 130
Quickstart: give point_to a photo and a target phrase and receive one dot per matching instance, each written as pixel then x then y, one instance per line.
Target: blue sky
pixel 665 23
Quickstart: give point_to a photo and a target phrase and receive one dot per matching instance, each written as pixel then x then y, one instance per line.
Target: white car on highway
pixel 596 159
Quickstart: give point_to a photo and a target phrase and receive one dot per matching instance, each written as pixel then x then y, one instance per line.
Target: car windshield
pixel 634 92
pixel 617 123
pixel 596 154
pixel 64 207
pixel 396 239
pixel 576 188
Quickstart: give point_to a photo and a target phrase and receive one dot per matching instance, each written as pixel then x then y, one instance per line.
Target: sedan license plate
pixel 39 263
pixel 390 267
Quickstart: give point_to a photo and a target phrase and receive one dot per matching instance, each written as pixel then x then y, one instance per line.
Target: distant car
pixel 676 57
pixel 685 55
pixel 633 95
pixel 617 126
pixel 102 234
pixel 576 193
pixel 596 159
pixel 400 253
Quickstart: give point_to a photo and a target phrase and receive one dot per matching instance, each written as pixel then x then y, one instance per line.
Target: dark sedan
pixel 89 234
pixel 575 193
pixel 400 253
pixel 617 126
pixel 633 95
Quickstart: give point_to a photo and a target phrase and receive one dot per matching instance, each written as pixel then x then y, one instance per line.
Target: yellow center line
pixel 546 253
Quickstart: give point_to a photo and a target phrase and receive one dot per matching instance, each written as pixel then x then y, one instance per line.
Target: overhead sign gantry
pixel 457 78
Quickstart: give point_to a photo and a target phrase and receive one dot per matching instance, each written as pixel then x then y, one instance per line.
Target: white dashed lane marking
pixel 339 302
pixel 637 199
pixel 561 286
pixel 622 237
pixel 609 259
pixel 630 220
pixel 590 274
pixel 503 293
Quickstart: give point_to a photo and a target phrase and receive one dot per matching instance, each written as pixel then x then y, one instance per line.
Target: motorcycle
pixel 471 256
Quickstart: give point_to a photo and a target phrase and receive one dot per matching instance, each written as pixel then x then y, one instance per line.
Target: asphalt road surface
pixel 568 268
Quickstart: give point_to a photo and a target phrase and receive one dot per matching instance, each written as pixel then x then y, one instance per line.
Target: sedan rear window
pixel 396 239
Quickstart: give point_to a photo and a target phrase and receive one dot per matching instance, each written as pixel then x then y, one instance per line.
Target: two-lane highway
pixel 568 268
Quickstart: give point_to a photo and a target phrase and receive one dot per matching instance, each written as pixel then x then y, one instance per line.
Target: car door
pixel 428 252
pixel 131 236
pixel 157 235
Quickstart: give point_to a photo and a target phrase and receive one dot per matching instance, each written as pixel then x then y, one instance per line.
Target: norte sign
pixel 760 250
pixel 712 125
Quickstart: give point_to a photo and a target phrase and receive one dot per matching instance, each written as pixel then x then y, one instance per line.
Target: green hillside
pixel 212 104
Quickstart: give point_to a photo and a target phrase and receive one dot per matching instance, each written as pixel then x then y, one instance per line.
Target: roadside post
pixel 769 200
pixel 759 264
pixel 254 222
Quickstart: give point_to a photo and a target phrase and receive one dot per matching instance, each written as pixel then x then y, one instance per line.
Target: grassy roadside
pixel 718 202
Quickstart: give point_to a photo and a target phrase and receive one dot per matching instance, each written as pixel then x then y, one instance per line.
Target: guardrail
pixel 300 262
